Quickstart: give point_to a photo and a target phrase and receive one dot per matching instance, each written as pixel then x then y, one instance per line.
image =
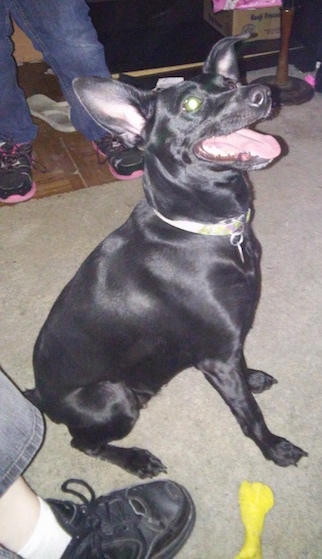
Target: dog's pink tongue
pixel 244 141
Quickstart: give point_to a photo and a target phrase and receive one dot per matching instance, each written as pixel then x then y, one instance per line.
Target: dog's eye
pixel 192 104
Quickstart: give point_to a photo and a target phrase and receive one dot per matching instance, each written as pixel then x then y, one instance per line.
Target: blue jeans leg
pixel 21 433
pixel 63 31
pixel 16 124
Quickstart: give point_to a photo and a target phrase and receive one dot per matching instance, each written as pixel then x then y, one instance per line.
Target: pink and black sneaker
pixel 16 184
pixel 124 163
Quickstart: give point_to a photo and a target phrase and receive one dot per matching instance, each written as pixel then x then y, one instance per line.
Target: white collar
pixel 234 227
pixel 224 227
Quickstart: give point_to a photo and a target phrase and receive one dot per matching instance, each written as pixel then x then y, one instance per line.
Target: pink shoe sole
pixel 16 198
pixel 135 175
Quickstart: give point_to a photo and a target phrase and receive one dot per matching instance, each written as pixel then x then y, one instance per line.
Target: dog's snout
pixel 259 95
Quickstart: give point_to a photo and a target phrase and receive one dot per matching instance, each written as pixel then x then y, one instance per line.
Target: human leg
pixel 16 125
pixel 64 33
pixel 19 505
pixel 21 435
pixel 28 526
pixel 144 522
pixel 17 129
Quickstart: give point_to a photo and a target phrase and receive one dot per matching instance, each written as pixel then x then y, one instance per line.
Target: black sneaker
pixel 149 521
pixel 16 184
pixel 124 163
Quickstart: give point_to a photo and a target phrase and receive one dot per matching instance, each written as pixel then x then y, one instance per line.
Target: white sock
pixel 48 539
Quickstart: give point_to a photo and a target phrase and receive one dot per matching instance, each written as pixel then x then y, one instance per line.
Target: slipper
pixel 56 114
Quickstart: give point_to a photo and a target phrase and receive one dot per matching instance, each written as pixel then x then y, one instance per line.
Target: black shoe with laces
pixel 149 521
pixel 16 184
pixel 124 163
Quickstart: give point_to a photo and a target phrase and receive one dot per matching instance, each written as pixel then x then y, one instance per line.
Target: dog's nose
pixel 258 95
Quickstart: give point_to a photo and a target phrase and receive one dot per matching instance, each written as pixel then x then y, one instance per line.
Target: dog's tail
pixel 34 397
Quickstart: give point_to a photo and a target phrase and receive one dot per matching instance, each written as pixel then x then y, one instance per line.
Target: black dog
pixel 177 285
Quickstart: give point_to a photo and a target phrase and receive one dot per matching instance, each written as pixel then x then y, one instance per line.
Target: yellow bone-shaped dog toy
pixel 255 500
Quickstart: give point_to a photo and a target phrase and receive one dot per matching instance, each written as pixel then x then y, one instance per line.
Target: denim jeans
pixel 62 30
pixel 21 433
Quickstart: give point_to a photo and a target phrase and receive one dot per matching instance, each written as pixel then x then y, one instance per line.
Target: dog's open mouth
pixel 242 145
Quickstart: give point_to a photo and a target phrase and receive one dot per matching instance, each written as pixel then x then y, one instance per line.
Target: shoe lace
pixel 12 155
pixel 105 146
pixel 88 521
pixel 97 521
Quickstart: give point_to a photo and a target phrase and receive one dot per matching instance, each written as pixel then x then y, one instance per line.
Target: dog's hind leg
pixel 259 381
pixel 104 412
pixel 229 380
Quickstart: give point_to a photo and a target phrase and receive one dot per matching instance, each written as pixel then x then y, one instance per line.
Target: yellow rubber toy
pixel 255 500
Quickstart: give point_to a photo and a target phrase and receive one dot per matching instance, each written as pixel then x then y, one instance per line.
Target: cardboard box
pixel 23 48
pixel 265 22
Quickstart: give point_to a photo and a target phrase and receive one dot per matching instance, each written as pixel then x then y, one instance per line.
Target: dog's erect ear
pixel 119 108
pixel 222 59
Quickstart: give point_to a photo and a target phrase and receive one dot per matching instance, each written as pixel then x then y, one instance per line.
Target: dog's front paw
pixel 143 463
pixel 134 460
pixel 284 453
pixel 259 381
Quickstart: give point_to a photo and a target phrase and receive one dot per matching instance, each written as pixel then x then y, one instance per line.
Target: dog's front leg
pixel 232 385
pixel 137 461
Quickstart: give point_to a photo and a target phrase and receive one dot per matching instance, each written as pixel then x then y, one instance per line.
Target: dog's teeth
pixel 219 154
pixel 245 156
pixel 216 152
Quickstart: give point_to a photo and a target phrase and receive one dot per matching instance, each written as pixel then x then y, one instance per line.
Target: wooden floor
pixel 62 161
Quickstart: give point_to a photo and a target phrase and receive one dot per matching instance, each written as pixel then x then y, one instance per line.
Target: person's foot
pixel 149 521
pixel 16 184
pixel 124 163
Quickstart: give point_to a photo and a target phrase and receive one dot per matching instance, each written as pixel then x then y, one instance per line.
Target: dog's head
pixel 205 119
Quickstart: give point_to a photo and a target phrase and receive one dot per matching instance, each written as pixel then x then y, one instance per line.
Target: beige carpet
pixel 188 426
